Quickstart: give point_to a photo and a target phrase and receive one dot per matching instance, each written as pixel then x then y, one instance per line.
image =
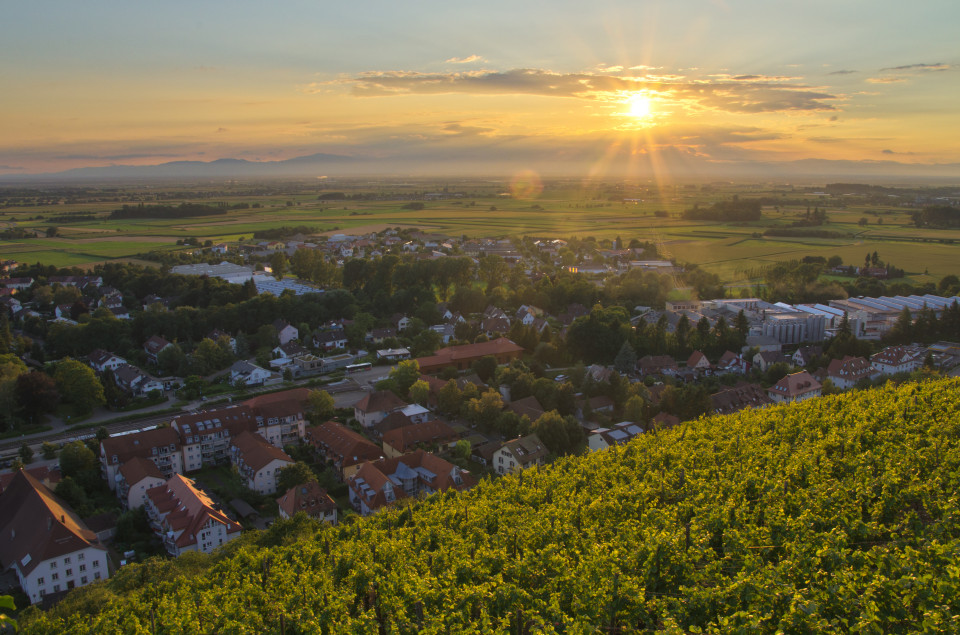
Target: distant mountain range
pixel 315 165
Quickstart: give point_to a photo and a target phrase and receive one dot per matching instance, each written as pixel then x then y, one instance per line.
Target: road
pixel 345 394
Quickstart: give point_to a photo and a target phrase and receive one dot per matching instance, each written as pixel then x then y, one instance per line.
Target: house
pixel 285 331
pixel 664 421
pixel 375 406
pixel 205 436
pixel 381 483
pixel 898 359
pixel 311 499
pixel 187 519
pixel 603 438
pixel 528 406
pixel 393 354
pixel 377 336
pixel 258 462
pixel 220 248
pixel 330 340
pixel 495 326
pixel 48 475
pixel 400 322
pixel 600 403
pixel 216 334
pixel 101 360
pixel 656 365
pixel 847 372
pixel 343 447
pixel 519 454
pixel 44 542
pixel 795 387
pixel 135 477
pixel 392 421
pixel 406 439
pixel 765 359
pixel 731 362
pixel 153 346
pixel 251 374
pixel 160 445
pixel 699 362
pixel 806 354
pixel 446 332
pixel 462 357
pixel 289 350
pixel 738 397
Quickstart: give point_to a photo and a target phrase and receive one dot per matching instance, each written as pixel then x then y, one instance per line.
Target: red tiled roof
pixel 408 437
pixel 347 446
pixel 127 446
pixel 36 526
pixel 380 401
pixel 309 498
pixel 256 452
pixel 139 468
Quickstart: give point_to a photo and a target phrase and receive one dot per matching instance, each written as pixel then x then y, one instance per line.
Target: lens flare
pixel 526 185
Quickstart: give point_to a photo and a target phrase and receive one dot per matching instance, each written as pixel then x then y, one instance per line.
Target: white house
pixel 285 331
pixel 258 461
pixel 186 519
pixel 249 374
pixel 898 359
pixel 519 454
pixel 795 387
pixel 310 499
pixel 101 360
pixel 44 542
pixel 135 477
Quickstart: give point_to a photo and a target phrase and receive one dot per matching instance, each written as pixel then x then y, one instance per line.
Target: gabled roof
pixel 451 354
pixel 406 438
pixel 309 498
pixel 795 384
pixel 340 441
pixel 526 450
pixel 155 344
pixel 36 526
pixel 380 401
pixel 127 446
pixel 139 468
pixel 738 397
pixel 529 406
pixel 256 452
pixel 188 509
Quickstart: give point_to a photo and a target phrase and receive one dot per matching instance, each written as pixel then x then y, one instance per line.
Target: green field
pixel 564 210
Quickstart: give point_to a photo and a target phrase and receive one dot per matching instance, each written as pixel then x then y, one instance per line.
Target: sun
pixel 639 106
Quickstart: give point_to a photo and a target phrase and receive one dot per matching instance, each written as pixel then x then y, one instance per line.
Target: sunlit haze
pixel 640 88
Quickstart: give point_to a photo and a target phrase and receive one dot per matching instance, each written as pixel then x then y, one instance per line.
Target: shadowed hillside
pixel 836 515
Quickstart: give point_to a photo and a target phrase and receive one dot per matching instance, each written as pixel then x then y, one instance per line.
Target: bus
pixel 357 368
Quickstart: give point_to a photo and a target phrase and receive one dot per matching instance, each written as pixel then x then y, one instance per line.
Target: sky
pixel 597 87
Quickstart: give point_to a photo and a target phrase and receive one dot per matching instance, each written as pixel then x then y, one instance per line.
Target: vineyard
pixel 837 515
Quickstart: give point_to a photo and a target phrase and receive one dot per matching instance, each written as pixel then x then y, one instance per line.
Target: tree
pixel 297 474
pixel 560 434
pixel 485 367
pixel 278 264
pixel 426 343
pixel 419 392
pixel 322 406
pixel 79 385
pixel 26 453
pixel 484 411
pixel 404 374
pixel 634 408
pixel 70 491
pixel 48 451
pixel 36 393
pixel 449 398
pixel 626 359
pixel 76 458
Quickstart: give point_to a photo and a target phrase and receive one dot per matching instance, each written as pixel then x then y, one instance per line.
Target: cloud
pixel 117 157
pixel 221 130
pixel 465 60
pixel 885 80
pixel 748 94
pixel 609 69
pixel 458 129
pixel 842 72
pixel 10 167
pixel 895 152
pixel 939 66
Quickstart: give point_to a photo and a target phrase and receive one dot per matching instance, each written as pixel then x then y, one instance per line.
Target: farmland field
pixel 563 210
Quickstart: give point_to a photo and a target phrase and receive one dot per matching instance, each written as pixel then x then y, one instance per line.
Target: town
pixel 338 375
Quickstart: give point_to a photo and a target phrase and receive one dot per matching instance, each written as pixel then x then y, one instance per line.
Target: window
pixel 96 575
pixel 40 580
pixel 55 576
pixel 83 567
pixel 53 565
pixel 69 572
pixel 56 588
pixel 81 557
pixel 83 580
pixel 96 563
pixel 66 560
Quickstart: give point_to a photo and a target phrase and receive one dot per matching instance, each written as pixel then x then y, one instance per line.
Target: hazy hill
pixel 837 515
